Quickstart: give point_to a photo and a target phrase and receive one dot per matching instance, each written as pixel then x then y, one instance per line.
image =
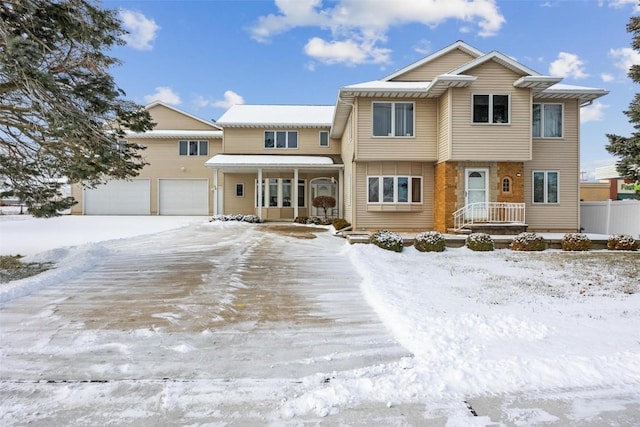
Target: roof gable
pixel 167 117
pixel 501 59
pixel 464 53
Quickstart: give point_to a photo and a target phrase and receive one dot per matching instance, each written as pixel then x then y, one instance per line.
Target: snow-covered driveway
pixel 209 323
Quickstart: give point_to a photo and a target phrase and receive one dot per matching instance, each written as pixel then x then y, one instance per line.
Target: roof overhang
pixel 537 83
pixel 253 162
pixel 173 134
pixel 584 95
pixel 274 125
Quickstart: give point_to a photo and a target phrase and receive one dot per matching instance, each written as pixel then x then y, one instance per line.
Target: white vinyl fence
pixel 611 217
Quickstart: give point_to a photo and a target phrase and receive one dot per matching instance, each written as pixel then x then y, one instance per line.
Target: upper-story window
pixel 393 119
pixel 492 109
pixel 194 148
pixel 324 138
pixel 281 139
pixel 547 121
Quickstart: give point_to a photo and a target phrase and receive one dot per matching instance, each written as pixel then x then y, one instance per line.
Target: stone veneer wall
pixel 444 195
pixel 511 170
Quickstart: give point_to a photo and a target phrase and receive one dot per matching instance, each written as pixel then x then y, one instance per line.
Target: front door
pixel 476 193
pixel 322 187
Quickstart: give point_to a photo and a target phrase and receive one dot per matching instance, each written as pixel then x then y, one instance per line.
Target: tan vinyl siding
pixel 422 146
pixel 167 119
pixel 239 205
pixel 562 155
pixel 444 126
pixel 347 150
pixel 441 65
pixel 251 141
pixel 394 216
pixel 495 142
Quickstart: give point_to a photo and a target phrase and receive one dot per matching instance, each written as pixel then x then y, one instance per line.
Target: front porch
pixel 497 218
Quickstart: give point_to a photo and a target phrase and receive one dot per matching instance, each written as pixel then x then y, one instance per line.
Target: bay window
pixel 394 189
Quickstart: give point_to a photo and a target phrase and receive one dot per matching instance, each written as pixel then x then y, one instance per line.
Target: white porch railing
pixel 490 212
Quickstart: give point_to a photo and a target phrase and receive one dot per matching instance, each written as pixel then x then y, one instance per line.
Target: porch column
pixel 259 190
pixel 216 199
pixel 295 193
pixel 340 193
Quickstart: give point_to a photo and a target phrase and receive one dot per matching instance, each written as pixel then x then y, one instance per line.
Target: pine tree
pixel 61 113
pixel 628 148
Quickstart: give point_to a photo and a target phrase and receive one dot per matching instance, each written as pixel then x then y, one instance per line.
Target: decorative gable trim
pixel 457 45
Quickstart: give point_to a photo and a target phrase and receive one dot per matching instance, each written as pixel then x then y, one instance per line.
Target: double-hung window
pixel 278 192
pixel 547 121
pixel 393 119
pixel 546 187
pixel 394 189
pixel 280 139
pixel 194 148
pixel 492 109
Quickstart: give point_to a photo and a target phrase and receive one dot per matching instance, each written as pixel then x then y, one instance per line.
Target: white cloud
pixel 606 77
pixel 423 47
pixel 622 3
pixel 625 57
pixel 359 26
pixel 230 98
pixel 163 94
pixel 348 52
pixel 568 65
pixel 142 30
pixel 593 113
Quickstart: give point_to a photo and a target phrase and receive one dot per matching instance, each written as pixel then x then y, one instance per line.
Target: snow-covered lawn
pixel 478 324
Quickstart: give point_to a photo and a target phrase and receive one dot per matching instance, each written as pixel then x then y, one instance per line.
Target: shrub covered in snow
pixel 528 242
pixel 623 242
pixel 231 217
pixel 480 242
pixel 388 240
pixel 575 242
pixel 340 223
pixel 314 220
pixel 430 241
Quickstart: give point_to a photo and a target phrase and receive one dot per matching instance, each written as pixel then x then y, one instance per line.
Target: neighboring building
pixel 594 191
pixel 619 188
pixel 458 136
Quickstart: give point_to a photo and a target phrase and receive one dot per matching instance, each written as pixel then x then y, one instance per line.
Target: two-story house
pixel 457 136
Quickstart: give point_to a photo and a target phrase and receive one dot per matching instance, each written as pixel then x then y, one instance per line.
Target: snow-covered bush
pixel 480 242
pixel 314 220
pixel 388 240
pixel 340 223
pixel 528 242
pixel 430 241
pixel 623 242
pixel 231 217
pixel 575 242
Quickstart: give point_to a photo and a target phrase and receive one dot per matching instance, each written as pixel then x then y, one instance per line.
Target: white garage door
pixel 119 198
pixel 184 196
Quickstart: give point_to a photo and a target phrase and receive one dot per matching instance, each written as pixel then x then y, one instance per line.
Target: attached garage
pixel 119 198
pixel 183 197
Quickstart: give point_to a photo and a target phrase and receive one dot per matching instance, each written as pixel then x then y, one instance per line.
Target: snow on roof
pixel 256 160
pixel 277 115
pixel 382 85
pixel 176 133
pixel 565 87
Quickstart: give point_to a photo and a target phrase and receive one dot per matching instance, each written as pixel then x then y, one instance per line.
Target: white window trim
pixel 490 122
pixel 188 141
pixel 395 201
pixel 542 104
pixel 546 186
pixel 393 122
pixel 286 147
pixel 320 138
pixel 243 191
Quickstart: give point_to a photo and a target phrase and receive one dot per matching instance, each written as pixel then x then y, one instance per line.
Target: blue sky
pixel 202 56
